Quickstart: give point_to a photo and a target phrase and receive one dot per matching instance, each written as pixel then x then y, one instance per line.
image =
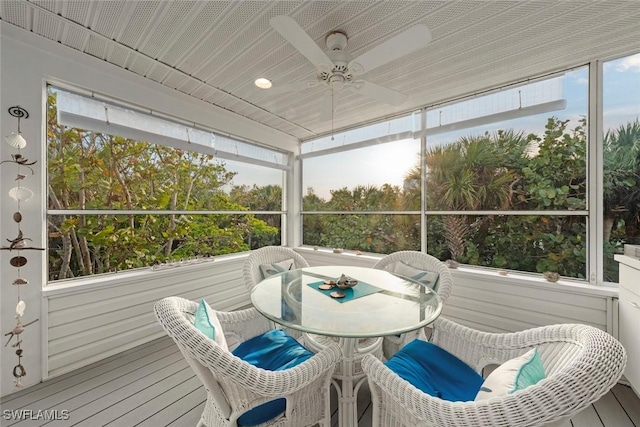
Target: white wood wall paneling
pixel 83 331
pixel 500 305
pixel 107 346
pixel 489 302
pixel 493 317
pixel 88 324
pixel 557 307
pixel 148 285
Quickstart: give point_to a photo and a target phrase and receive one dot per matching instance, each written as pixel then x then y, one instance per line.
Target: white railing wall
pixel 489 302
pixel 115 313
pixel 485 300
pixel 90 322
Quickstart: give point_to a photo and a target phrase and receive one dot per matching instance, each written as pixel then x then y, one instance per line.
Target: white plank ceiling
pixel 214 50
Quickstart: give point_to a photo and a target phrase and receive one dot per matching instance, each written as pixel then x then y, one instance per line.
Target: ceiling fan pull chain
pixel 332 113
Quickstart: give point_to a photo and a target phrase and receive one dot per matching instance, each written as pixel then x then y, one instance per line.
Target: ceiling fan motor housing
pixel 336 40
pixel 339 73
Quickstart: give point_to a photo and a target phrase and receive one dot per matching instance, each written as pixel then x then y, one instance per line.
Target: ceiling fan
pixel 337 69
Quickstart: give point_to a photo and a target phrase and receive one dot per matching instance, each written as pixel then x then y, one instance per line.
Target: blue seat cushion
pixel 436 372
pixel 274 350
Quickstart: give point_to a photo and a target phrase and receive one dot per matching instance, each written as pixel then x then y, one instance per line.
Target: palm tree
pixel 469 174
pixel 622 179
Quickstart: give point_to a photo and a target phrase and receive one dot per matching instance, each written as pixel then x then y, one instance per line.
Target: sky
pixel 389 162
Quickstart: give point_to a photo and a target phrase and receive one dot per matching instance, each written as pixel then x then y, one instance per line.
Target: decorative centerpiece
pixel 343 282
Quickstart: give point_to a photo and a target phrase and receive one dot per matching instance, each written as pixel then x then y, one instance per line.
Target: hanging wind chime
pixel 18 244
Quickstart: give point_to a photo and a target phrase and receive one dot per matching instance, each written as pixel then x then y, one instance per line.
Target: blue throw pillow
pixel 274 350
pixel 435 371
pixel 206 321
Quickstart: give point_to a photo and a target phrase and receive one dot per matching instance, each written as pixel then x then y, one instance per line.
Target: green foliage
pixel 89 170
pixel 360 231
pixel 505 170
pixel 621 158
pixel 471 174
pixel 501 171
pixel 556 177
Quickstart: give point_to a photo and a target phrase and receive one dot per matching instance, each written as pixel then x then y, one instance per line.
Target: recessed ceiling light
pixel 263 83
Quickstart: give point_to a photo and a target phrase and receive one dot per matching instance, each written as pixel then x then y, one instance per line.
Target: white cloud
pixel 630 63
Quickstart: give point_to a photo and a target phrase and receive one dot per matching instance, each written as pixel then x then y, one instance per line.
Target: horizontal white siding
pixel 494 303
pixel 115 313
pixel 485 300
pixel 93 321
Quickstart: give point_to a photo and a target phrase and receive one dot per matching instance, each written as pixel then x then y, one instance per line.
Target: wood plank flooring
pixel 152 385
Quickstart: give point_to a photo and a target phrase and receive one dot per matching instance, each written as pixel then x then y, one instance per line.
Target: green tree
pixel 621 155
pixel 469 174
pixel 89 170
pixel 509 171
pixel 551 175
pixel 380 233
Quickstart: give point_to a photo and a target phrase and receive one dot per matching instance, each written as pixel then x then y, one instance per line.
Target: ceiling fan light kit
pixel 337 69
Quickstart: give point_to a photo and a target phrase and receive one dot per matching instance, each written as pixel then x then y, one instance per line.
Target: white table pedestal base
pixel 349 386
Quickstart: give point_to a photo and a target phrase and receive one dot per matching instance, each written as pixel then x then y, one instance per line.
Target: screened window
pixel 621 159
pixel 501 182
pixel 132 190
pixel 360 199
pixel 531 169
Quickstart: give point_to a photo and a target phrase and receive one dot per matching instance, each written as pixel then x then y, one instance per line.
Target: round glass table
pixel 381 303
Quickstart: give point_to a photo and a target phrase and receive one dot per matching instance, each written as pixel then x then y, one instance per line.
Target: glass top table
pixel 400 305
pixel 390 305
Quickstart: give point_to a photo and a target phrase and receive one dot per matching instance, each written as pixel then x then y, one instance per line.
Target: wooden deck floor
pixel 153 386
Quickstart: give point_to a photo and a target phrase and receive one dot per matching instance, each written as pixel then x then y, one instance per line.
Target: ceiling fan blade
pixel 290 87
pixel 404 43
pixel 327 107
pixel 290 30
pixel 377 92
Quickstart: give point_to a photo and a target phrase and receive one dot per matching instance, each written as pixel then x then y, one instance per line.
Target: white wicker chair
pixel 267 255
pixel 316 343
pixel 423 261
pixel 235 386
pixel 582 363
pixel 252 274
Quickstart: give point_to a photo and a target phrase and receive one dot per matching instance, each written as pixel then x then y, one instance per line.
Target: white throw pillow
pixel 513 375
pixel 277 267
pixel 207 322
